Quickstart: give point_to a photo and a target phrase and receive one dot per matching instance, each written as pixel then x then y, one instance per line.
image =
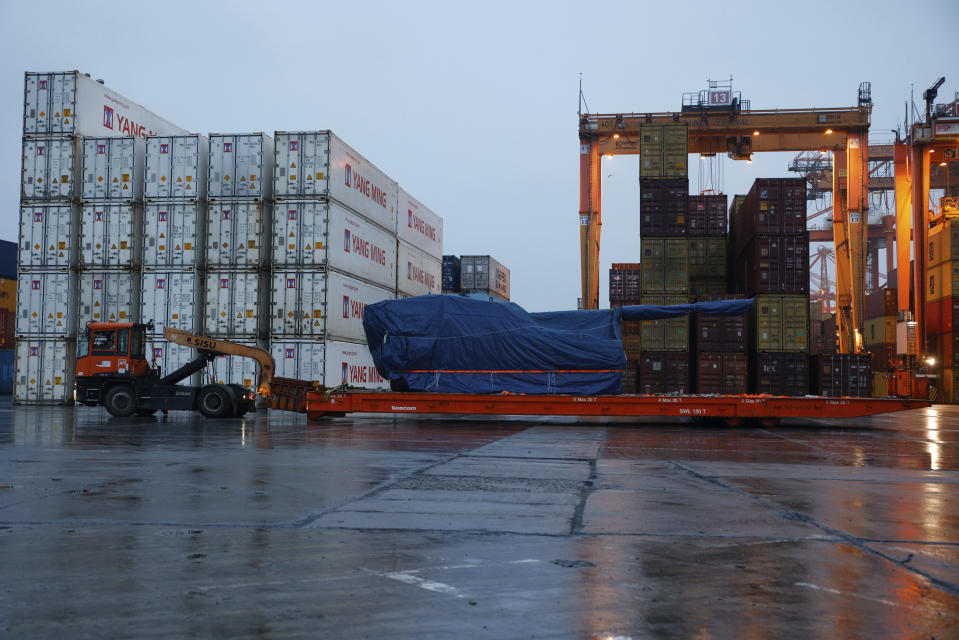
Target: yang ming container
pixel 324 233
pixel 483 274
pixel 321 304
pixel 417 273
pixel 169 356
pixel 241 166
pixel 71 103
pixel 48 238
pixel 171 299
pixel 331 364
pixel 108 296
pixel 44 370
pixel 418 226
pixel 237 234
pixel 176 167
pixel 106 236
pixel 237 369
pixel 46 304
pixel 112 169
pixel 50 169
pixel 170 234
pixel 318 164
pixel 235 304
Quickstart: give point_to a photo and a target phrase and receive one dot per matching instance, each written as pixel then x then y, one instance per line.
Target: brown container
pixel 719 334
pixel 944 347
pixel 631 345
pixel 883 357
pixel 664 372
pixel 706 215
pixel 881 303
pixel 772 206
pixel 662 207
pixel 629 376
pixel 625 283
pixel 779 374
pixel 720 373
pixel 829 338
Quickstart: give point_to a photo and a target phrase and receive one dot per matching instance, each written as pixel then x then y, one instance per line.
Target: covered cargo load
pixel 460 345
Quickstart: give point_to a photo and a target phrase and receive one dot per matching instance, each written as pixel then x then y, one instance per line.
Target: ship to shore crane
pixel 719 122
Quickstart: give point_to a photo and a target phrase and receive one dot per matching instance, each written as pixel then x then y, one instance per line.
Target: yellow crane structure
pixel 739 133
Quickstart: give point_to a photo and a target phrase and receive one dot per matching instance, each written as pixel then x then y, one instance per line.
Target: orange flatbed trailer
pixel 733 409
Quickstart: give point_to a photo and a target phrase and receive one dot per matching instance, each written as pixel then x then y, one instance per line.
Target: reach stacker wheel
pixel 215 402
pixel 120 401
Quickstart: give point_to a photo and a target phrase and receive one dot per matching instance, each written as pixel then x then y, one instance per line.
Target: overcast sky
pixel 472 107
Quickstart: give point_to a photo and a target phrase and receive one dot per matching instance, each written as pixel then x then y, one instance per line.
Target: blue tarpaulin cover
pixel 455 344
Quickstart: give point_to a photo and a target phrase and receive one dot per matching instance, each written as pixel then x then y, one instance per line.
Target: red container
pixel 779 374
pixel 944 347
pixel 949 314
pixel 933 316
pixel 720 373
pixel 706 215
pixel 662 207
pixel 773 264
pixel 883 357
pixel 664 372
pixel 881 303
pixel 772 206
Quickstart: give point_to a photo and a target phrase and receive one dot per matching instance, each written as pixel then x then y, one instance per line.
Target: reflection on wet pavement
pixel 375 526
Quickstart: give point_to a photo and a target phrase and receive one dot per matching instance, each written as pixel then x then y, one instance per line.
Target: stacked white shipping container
pixel 334 252
pixel 236 281
pixel 76 262
pixel 419 248
pixel 172 246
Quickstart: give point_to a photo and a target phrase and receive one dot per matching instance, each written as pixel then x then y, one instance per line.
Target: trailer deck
pixel 733 409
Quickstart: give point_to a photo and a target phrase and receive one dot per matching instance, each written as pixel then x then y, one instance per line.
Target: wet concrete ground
pixel 361 527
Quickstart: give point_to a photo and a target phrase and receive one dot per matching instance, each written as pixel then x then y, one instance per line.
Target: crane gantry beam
pixel 740 133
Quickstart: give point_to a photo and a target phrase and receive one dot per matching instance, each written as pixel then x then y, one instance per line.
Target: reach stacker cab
pixel 113 371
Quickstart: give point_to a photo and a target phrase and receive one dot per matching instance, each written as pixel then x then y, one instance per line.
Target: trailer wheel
pixel 214 402
pixel 120 401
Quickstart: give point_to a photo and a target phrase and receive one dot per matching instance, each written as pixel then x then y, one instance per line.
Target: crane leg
pixel 590 220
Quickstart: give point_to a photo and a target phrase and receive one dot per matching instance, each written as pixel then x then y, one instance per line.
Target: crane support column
pixel 840 231
pixel 590 219
pixel 920 234
pixel 903 222
pixel 857 217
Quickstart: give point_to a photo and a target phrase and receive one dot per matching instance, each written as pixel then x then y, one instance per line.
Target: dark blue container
pixel 451 274
pixel 8 259
pixel 6 372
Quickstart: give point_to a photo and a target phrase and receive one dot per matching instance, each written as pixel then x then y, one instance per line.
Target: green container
pixel 944 243
pixel 665 265
pixel 707 257
pixel 780 324
pixel 669 334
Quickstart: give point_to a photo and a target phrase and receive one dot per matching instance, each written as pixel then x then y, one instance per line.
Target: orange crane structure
pixel 719 123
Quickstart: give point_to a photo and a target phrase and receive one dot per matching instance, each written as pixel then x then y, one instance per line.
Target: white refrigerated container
pixel 169 356
pixel 418 226
pixel 241 166
pixel 108 296
pixel 325 233
pixel 321 304
pixel 417 274
pixel 236 304
pixel 70 102
pixel 44 370
pixel 235 369
pixel 107 235
pixel 112 169
pixel 170 235
pixel 331 363
pixel 319 164
pixel 48 236
pixel 50 169
pixel 237 234
pixel 176 167
pixel 171 299
pixel 46 303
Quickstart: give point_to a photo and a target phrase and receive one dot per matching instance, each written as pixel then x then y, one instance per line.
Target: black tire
pixel 120 400
pixel 215 402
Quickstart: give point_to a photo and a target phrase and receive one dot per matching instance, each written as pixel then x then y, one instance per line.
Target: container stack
pixel 769 259
pixel 8 313
pixel 719 348
pixel 334 252
pixel 881 309
pixel 625 289
pixel 71 266
pixel 663 364
pixel 942 305
pixel 482 276
pixel 111 196
pixel 172 246
pixel 419 248
pixel 706 228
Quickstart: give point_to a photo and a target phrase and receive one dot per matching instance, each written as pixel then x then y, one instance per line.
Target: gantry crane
pixel 719 122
